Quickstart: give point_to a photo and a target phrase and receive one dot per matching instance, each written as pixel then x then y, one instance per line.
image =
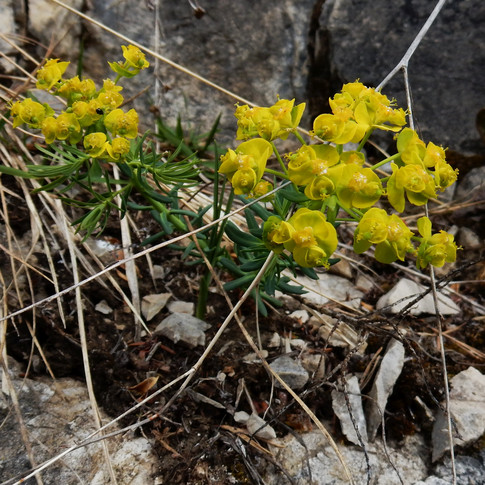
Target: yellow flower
pixel 49 129
pixel 275 233
pixel 109 96
pixel 87 113
pixel 95 144
pixel 412 180
pixel 29 112
pixel 358 187
pixel 262 188
pixel 135 58
pixel 435 249
pixel 276 121
pixel 313 240
pixel 120 123
pixel 311 161
pixel 68 128
pixel 118 148
pixel 444 175
pixel 76 90
pixel 372 229
pixel 332 128
pixel 244 167
pixel 134 62
pixel 388 232
pixel 50 74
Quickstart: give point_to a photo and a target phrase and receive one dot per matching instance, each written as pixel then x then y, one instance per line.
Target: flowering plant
pixel 326 181
pixel 330 184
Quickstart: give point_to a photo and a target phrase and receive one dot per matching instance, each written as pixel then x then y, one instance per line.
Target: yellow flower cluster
pixel 328 178
pixel 92 116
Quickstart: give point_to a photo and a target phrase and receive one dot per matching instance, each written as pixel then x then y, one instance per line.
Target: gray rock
pixel 353 418
pixel 443 70
pixel 310 460
pixel 470 470
pixel 291 371
pixel 330 287
pixel 184 328
pixel 57 416
pixel 389 371
pixel 467 408
pixel 256 53
pixel 405 291
pixel 259 427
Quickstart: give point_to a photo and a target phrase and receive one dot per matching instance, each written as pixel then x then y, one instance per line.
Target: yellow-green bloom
pixel 49 129
pixel 412 180
pixel 87 112
pixel 118 148
pixel 95 144
pixel 50 74
pixel 435 249
pixel 358 187
pixel 30 112
pixel 75 89
pixel 444 175
pixel 123 124
pixel 332 128
pixel 134 62
pixel 262 188
pixel 276 232
pixel 244 167
pixel 68 127
pixel 311 161
pixel 389 233
pixel 109 96
pixel 276 121
pixel 313 240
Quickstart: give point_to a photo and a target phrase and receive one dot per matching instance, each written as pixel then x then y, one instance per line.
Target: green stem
pixel 280 161
pixel 278 174
pixel 383 162
pixel 364 140
pixel 300 138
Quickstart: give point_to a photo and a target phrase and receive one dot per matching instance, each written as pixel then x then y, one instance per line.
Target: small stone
pixel 340 405
pixel 184 328
pixel 181 307
pixel 151 305
pixel 103 307
pixel 241 417
pixel 389 371
pixel 469 239
pixel 291 371
pixel 301 315
pixel 254 425
pixel 314 364
pixel 467 408
pixel 406 291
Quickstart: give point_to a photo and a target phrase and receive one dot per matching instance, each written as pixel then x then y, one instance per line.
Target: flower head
pixel 122 124
pixel 30 112
pixel 435 249
pixel 313 239
pixel 358 187
pixel 244 167
pixel 50 74
pixel 134 62
pixel 95 144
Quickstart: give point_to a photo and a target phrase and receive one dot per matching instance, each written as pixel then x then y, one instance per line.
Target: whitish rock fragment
pixel 406 291
pixel 254 425
pixel 103 307
pixel 390 369
pixel 310 460
pixel 184 328
pixel 467 408
pixel 330 287
pixel 151 305
pixel 335 333
pixel 181 307
pixel 341 409
pixel 291 371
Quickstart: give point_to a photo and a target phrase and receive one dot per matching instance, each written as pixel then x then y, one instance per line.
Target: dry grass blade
pixel 84 343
